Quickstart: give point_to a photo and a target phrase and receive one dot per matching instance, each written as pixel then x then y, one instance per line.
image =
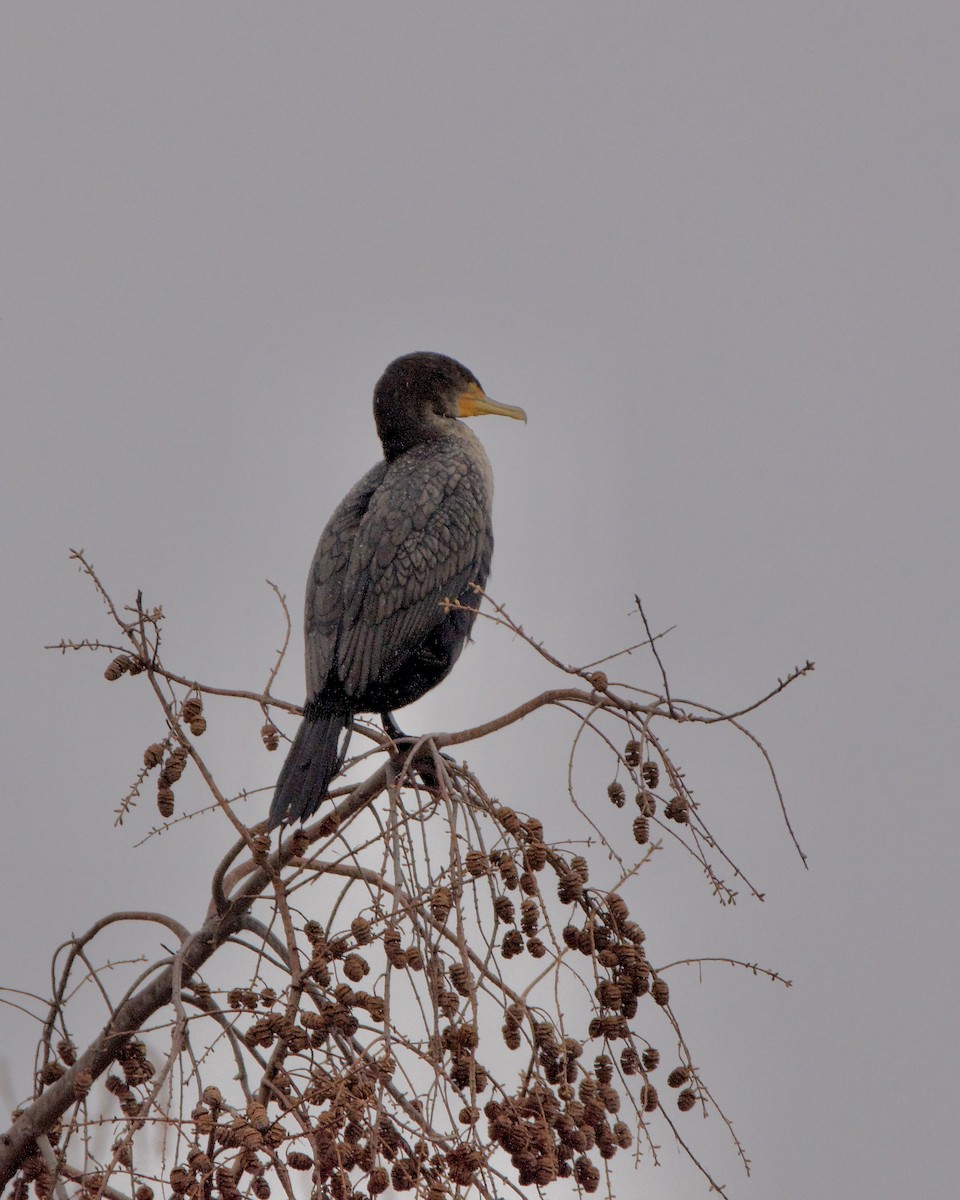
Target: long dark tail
pixel 312 762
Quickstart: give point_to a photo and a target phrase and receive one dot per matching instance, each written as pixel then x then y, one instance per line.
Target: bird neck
pixel 400 430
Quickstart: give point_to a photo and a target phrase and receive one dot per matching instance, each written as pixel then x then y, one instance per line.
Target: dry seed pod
pixel 82 1083
pixel 528 884
pixel 448 1003
pixel 270 735
pixel 534 828
pixel 650 773
pixel 535 856
pixel 509 820
pixel 170 773
pixel 345 994
pixel 586 1174
pixel 355 967
pixel 67 1051
pixel 165 801
pixel 192 708
pixel 649 1098
pixel 260 1188
pixel 199 1162
pixel 647 803
pixel 403 1176
pixel 119 666
pixel 153 755
pixel 572 1048
pixel 578 866
pixel 330 823
pixel 476 863
pixel 535 947
pixel 686 1100
pixel 611 1100
pixel 440 904
pixel 503 907
pixel 511 1037
pixel 123 1152
pixel 180 1180
pixel 508 871
pixel 631 754
pixel 616 794
pixel 641 830
pixel 378 1181
pixel 360 928
pixel 512 944
pixel 204 1121
pixel 677 810
pixel 52 1072
pixel 660 991
pixel 257 1114
pixel 569 888
pixel 515 1014
pixel 678 1077
pixel 651 1058
pixel 178 756
pixel 198 727
pixel 598 681
pixel 630 1061
pixel 299 1161
pixel 545 1035
pixel 608 994
pixel 622 1135
pixel 226 1179
pixel 461 978
pixel 212 1097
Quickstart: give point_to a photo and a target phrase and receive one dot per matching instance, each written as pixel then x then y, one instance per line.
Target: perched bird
pixel 415 531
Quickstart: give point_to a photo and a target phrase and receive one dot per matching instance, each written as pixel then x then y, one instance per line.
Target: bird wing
pixel 424 536
pixel 323 611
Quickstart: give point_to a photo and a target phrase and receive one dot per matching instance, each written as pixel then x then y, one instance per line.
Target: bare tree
pixel 477 1011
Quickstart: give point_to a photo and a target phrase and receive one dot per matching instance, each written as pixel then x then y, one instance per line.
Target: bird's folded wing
pixel 425 536
pixel 324 602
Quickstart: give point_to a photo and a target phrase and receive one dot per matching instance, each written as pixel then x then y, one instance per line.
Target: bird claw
pixel 423 763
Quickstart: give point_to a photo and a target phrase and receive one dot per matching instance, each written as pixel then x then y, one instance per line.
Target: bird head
pixel 419 392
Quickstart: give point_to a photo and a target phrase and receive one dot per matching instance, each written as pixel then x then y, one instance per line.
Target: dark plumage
pixel 413 532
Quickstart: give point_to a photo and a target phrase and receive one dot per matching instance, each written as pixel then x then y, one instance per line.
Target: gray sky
pixel 713 251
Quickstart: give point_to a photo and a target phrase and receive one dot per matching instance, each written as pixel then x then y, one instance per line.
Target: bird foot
pixel 423 764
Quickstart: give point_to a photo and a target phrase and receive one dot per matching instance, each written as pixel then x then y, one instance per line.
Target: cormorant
pixel 415 531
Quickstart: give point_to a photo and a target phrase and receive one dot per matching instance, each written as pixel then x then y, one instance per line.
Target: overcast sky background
pixel 713 250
